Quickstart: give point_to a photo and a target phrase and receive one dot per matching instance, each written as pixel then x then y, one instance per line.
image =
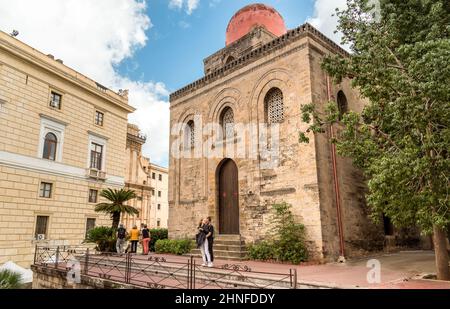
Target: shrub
pixel 289 241
pixel 286 242
pixel 157 234
pixel 10 280
pixel 261 251
pixel 104 237
pixel 174 246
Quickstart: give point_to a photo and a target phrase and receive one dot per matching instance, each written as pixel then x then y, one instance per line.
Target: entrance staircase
pixel 226 247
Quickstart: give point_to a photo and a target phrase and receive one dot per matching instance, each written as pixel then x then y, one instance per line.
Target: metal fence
pixel 157 272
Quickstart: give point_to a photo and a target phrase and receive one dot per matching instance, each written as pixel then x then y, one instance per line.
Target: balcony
pixel 96 174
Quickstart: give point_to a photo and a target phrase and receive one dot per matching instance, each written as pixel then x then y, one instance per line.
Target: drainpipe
pixel 336 184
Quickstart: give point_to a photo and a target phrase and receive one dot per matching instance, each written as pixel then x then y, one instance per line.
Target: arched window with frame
pixel 50 144
pixel 274 106
pixel 189 135
pixel 227 122
pixel 342 104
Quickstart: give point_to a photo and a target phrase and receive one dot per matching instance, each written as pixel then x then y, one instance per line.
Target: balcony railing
pixel 96 174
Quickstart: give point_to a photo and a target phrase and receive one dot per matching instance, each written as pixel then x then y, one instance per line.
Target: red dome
pixel 254 15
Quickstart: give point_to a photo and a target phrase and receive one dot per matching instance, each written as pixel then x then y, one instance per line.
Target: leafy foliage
pixel 401 140
pixel 174 246
pixel 10 280
pixel 262 251
pixel 104 237
pixel 157 234
pixel 116 207
pixel 286 242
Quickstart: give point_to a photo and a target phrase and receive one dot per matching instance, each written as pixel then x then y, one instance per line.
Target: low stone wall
pixel 48 278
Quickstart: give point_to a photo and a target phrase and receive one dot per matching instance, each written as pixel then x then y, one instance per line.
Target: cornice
pixel 254 55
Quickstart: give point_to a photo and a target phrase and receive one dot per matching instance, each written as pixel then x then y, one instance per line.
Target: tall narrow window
pixel 274 106
pixel 342 104
pixel 159 193
pixel 227 122
pixel 189 140
pixel 50 145
pixel 159 206
pixel 45 190
pixel 158 223
pixel 153 175
pixel 96 156
pixel 160 177
pixel 93 196
pixel 41 227
pixel 90 224
pixel 99 116
pixel 55 100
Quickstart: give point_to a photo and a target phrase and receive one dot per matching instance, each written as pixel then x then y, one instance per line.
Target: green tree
pixel 400 62
pixel 117 206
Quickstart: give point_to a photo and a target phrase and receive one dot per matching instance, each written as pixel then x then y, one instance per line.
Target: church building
pixel 253 90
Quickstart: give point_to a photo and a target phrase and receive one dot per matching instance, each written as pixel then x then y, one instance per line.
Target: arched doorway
pixel 228 195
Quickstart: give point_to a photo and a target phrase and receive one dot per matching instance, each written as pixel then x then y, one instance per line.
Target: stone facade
pixel 304 175
pixel 41 99
pixel 150 183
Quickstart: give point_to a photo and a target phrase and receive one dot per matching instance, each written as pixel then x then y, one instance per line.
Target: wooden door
pixel 228 199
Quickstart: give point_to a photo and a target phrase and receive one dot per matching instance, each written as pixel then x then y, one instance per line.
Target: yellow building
pixel 148 181
pixel 62 140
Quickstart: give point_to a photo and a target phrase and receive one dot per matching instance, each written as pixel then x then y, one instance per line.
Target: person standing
pixel 209 228
pixel 145 239
pixel 202 242
pixel 121 239
pixel 134 238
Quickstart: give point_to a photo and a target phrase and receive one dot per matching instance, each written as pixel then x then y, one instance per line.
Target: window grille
pixel 275 106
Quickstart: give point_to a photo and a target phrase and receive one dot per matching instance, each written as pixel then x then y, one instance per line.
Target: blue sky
pixel 151 47
pixel 178 42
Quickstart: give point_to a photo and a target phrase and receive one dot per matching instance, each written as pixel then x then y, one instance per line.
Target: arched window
pixel 189 135
pixel 227 123
pixel 274 106
pixel 50 144
pixel 342 104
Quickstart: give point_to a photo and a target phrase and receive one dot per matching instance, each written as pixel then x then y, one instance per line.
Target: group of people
pixel 136 236
pixel 205 241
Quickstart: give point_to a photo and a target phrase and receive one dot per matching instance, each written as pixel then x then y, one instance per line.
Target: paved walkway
pixel 398 271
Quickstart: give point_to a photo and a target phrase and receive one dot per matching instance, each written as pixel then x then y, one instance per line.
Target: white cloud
pixel 189 5
pixel 93 37
pixel 324 20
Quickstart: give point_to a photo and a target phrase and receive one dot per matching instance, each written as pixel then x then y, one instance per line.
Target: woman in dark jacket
pixel 202 243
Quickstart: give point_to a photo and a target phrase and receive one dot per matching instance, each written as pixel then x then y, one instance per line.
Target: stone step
pixel 227 237
pixel 229 247
pixel 226 258
pixel 229 242
pixel 223 253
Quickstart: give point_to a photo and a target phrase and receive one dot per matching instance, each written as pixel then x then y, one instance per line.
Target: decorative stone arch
pixel 229 97
pixel 185 118
pixel 277 78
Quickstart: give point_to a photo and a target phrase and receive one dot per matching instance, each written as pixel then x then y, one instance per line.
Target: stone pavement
pixel 400 270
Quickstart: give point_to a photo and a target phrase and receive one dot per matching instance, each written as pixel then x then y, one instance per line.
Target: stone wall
pixel 193 187
pixel 47 278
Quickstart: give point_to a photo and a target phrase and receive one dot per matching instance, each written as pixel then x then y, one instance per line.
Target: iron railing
pixel 157 272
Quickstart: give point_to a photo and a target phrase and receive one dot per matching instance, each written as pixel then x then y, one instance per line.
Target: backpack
pixel 121 233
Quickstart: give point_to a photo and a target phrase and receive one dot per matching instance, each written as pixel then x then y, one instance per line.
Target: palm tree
pixel 10 280
pixel 117 207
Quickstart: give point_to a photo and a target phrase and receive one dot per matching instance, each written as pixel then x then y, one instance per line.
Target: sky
pixel 151 47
